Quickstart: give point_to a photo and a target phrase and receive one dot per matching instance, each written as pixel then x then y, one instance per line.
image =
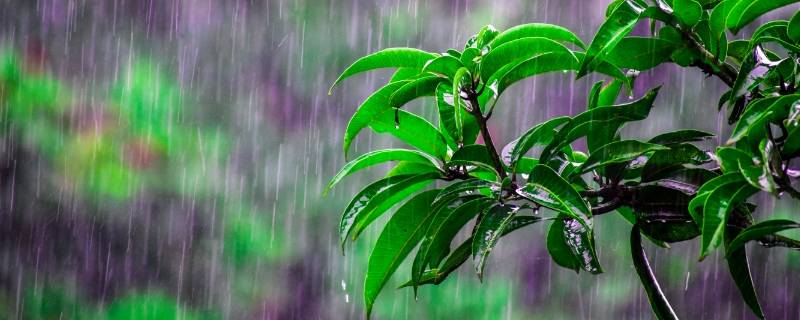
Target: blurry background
pixel 165 160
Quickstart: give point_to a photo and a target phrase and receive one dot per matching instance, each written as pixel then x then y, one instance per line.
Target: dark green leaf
pixel 386 58
pixel 542 30
pixel 794 28
pixel 758 175
pixel 681 136
pixel 558 249
pixel 548 189
pixel 617 26
pixel 674 157
pixel 580 241
pixel 401 234
pixel 716 210
pixel 380 156
pixel 541 134
pixel 658 301
pixel 618 152
pixel 740 272
pixel 760 230
pixel 688 12
pixel 488 232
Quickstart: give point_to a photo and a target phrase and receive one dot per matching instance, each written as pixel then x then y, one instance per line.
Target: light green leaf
pixel 745 11
pixel 617 26
pixel 658 301
pixel 514 51
pixel 490 230
pixel 401 234
pixel 404 74
pixel 421 87
pixel 380 156
pixel 446 65
pixel 548 189
pixel 386 58
pixel 447 118
pixel 640 53
pixel 618 152
pixel 542 30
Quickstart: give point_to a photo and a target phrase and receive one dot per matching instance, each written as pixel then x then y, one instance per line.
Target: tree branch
pixel 472 98
pixel 709 63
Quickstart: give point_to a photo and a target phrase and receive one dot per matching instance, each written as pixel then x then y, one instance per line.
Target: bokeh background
pixel 165 159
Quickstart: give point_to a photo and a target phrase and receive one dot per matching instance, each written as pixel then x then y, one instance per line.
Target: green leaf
pixel 758 114
pixel 544 63
pixel 421 87
pixel 380 156
pixel 542 30
pixel 401 234
pixel 617 26
pixel 745 11
pixel 548 189
pixel 376 199
pixel 446 65
pixel 376 113
pixel 488 232
pixel 658 301
pixel 793 30
pixel 740 272
pixel 444 227
pixel 618 152
pixel 386 58
pixel 674 157
pixel 697 203
pixel 465 186
pixel 716 209
pixel 759 176
pixel 688 12
pixel 580 241
pixel 404 74
pixel 594 95
pixel 475 154
pixel 601 117
pixel 558 249
pixel 760 230
pixel 514 51
pixel 485 36
pixel 681 136
pixel 409 167
pixel 541 134
pixel 640 53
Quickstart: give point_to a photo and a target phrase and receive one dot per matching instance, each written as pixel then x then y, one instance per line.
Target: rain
pixel 167 160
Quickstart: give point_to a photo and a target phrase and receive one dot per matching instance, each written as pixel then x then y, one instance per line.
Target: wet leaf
pixel 417 88
pixel 386 58
pixel 793 30
pixel 468 131
pixel 488 232
pixel 401 234
pixel 542 30
pixel 548 189
pixel 640 53
pixel 558 249
pixel 745 11
pixel 515 51
pixel 617 26
pixel 740 272
pixel 541 134
pixel 716 210
pixel 681 136
pixel 380 156
pixel 688 12
pixel 446 65
pixel 760 230
pixel 617 152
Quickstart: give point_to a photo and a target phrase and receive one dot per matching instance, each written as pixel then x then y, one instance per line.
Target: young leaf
pixel 404 74
pixel 548 189
pixel 617 26
pixel 542 30
pixel 740 272
pixel 386 58
pixel 760 230
pixel 468 132
pixel 658 301
pixel 688 12
pixel 401 234
pixel 618 152
pixel 446 65
pixel 745 11
pixel 488 232
pixel 375 157
pixel 640 53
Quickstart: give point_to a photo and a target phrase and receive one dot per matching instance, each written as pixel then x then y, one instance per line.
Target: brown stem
pixel 487 138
